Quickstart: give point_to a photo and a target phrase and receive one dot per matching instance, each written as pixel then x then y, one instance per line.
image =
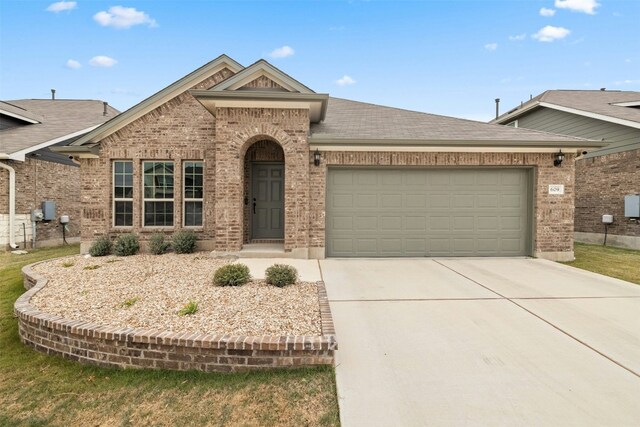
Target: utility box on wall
pixel 632 206
pixel 48 210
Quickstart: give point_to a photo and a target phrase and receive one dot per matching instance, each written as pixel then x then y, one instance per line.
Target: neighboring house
pixel 603 176
pixel 28 128
pixel 250 156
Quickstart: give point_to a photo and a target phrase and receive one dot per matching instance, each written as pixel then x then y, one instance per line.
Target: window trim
pixel 184 195
pixel 144 199
pixel 115 199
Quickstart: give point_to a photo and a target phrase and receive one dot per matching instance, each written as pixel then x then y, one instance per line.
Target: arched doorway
pixel 264 184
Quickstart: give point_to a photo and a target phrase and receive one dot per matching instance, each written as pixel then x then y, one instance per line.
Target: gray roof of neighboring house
pixel 352 120
pixel 57 119
pixel 600 102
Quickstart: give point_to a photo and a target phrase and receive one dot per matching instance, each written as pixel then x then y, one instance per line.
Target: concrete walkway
pixel 483 342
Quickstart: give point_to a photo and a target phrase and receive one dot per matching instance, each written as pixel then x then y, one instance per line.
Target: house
pixel 249 156
pixel 603 176
pixel 30 173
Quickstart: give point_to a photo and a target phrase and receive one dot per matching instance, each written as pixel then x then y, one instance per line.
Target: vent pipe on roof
pixel 497 107
pixel 104 112
pixel 53 94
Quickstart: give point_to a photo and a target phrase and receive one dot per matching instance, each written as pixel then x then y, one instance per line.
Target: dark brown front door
pixel 267 209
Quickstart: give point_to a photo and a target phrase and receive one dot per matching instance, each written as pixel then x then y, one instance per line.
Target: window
pixel 158 194
pixel 123 193
pixel 193 193
pixel 513 124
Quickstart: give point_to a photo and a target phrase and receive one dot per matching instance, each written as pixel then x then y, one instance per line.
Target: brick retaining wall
pixel 107 346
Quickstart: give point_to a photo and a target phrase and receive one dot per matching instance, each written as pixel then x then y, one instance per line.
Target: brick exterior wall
pixel 144 348
pixel 36 181
pixel 182 129
pixel 179 130
pixel 601 184
pixel 236 130
pixel 553 236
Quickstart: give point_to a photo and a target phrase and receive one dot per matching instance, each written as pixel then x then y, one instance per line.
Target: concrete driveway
pixel 483 342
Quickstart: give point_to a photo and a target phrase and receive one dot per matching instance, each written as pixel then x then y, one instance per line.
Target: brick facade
pixel 598 193
pixel 36 181
pixel 145 348
pixel 229 139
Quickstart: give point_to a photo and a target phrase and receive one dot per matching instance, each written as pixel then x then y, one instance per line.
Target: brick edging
pixel 107 346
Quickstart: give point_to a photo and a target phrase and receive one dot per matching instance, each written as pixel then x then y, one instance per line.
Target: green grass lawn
pixel 38 390
pixel 615 262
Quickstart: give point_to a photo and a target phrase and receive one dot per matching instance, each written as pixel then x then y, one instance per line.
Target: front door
pixel 267 201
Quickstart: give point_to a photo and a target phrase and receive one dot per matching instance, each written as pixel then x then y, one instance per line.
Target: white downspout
pixel 12 204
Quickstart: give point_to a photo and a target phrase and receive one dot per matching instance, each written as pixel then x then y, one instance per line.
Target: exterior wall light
pixel 316 158
pixel 558 158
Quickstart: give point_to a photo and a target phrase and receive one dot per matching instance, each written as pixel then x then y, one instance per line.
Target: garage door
pixel 385 212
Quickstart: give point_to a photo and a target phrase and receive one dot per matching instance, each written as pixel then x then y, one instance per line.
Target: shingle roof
pixel 589 101
pixel 354 120
pixel 58 118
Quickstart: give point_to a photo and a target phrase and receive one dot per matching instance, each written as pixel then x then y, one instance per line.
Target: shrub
pixel 68 264
pixel 190 308
pixel 231 275
pixel 281 275
pixel 126 244
pixel 91 267
pixel 129 302
pixel 101 247
pixel 184 242
pixel 157 244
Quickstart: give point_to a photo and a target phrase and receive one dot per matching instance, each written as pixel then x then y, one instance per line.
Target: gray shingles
pixel 347 119
pixel 59 117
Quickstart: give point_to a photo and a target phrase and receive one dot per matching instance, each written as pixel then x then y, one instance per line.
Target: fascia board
pixel 159 98
pixel 509 117
pixel 374 143
pixel 20 155
pixel 252 72
pixel 18 116
pixel 603 117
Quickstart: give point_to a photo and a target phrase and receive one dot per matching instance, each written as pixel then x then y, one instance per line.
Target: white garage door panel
pixel 428 212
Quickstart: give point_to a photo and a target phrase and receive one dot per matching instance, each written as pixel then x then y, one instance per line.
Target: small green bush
pixel 129 302
pixel 190 308
pixel 231 275
pixel 102 246
pixel 126 245
pixel 157 244
pixel 91 267
pixel 184 242
pixel 281 275
pixel 68 264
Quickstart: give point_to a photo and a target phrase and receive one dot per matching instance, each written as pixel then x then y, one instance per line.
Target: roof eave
pixel 326 140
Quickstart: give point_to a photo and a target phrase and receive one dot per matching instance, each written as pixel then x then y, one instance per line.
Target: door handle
pixel 254 205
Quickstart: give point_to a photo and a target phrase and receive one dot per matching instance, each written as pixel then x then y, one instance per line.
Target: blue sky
pixel 444 57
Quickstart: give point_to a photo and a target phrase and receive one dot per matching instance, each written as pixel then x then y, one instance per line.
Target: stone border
pixel 107 346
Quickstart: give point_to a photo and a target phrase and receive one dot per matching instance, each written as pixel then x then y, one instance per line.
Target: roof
pixel 358 121
pixel 598 104
pixel 19 113
pixel 57 120
pixel 154 101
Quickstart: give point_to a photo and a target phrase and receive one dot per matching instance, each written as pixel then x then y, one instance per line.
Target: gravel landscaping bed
pixel 148 291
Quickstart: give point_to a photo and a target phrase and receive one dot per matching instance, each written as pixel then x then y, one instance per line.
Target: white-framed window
pixel 123 193
pixel 193 191
pixel 513 124
pixel 157 191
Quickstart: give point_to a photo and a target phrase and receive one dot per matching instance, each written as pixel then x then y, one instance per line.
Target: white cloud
pixel 584 6
pixel 282 52
pixel 345 81
pixel 491 46
pixel 72 63
pixel 626 82
pixel 123 17
pixel 62 6
pixel 518 37
pixel 102 61
pixel 547 12
pixel 551 33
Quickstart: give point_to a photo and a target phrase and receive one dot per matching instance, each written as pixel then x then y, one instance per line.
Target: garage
pixel 414 212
